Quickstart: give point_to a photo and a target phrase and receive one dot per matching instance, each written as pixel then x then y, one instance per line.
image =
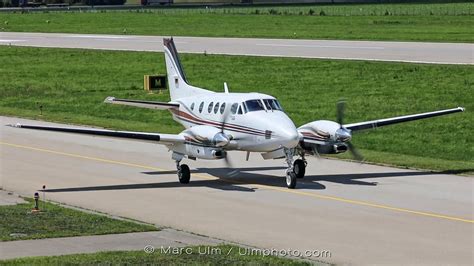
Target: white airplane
pixel 253 122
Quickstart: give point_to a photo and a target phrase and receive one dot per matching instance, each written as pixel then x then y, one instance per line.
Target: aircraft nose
pixel 289 138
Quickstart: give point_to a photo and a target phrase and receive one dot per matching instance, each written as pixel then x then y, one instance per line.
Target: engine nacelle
pixel 324 148
pixel 321 130
pixel 206 135
pixel 208 153
pixel 203 142
pixel 324 137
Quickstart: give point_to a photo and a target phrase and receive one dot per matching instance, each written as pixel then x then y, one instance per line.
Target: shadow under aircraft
pixel 238 179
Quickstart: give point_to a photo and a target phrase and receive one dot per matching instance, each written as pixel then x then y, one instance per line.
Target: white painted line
pixel 118 38
pixel 321 46
pixel 11 40
pixel 99 36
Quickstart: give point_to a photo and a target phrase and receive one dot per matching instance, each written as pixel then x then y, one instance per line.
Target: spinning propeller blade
pixel 226 158
pixel 340 108
pixel 355 153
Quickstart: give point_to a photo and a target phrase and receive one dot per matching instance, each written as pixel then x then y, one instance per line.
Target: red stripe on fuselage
pixel 193 119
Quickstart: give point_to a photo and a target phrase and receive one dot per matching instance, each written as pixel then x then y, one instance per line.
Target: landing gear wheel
pixel 290 179
pixel 299 167
pixel 184 174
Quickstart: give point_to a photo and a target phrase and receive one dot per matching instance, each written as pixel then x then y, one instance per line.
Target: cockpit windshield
pixel 261 105
pixel 272 104
pixel 253 105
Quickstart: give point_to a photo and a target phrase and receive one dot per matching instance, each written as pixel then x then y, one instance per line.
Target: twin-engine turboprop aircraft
pixel 253 122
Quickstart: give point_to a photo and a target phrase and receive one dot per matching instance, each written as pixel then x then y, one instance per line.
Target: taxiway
pixel 362 214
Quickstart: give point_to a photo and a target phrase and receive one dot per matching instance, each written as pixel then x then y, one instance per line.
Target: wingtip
pixel 13 125
pixel 109 99
pixel 462 109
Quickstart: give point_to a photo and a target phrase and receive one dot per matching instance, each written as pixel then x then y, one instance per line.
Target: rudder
pixel 177 82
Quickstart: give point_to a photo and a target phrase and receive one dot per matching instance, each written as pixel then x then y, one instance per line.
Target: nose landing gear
pixel 290 179
pixel 290 172
pixel 296 169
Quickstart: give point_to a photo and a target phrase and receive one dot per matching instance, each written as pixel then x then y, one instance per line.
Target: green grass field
pixel 71 85
pixel 57 221
pixel 218 255
pixel 409 22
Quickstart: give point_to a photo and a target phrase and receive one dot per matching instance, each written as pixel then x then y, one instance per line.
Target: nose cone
pixel 285 131
pixel 289 137
pixel 280 131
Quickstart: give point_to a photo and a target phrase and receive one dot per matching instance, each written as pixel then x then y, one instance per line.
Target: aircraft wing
pixel 399 119
pixel 165 139
pixel 142 104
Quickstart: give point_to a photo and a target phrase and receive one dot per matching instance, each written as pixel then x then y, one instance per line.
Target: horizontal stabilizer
pixel 144 136
pixel 141 103
pixel 400 119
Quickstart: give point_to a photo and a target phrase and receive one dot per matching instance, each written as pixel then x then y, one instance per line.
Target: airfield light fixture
pixel 36 197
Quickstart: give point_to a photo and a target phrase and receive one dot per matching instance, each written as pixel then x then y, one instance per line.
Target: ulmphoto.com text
pixel 242 251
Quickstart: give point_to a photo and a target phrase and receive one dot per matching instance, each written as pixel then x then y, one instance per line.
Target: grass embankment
pixel 219 255
pixel 57 221
pixel 71 85
pixel 402 22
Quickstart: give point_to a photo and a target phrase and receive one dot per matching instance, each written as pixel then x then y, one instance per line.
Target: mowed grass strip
pixel 71 85
pixel 422 22
pixel 57 221
pixel 199 255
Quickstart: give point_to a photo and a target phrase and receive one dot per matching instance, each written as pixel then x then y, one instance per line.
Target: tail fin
pixel 177 82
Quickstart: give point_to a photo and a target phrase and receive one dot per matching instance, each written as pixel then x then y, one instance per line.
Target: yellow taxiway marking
pixel 285 190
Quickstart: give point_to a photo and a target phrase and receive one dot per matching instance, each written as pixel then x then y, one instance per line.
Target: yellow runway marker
pixel 285 190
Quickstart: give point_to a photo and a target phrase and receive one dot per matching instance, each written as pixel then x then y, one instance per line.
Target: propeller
pixel 221 139
pixel 343 134
pixel 227 137
pixel 340 108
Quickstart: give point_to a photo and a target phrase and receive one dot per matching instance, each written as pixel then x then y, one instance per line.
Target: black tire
pixel 299 167
pixel 291 180
pixel 184 175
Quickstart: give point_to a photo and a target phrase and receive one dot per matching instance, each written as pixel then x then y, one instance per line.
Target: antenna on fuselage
pixel 226 89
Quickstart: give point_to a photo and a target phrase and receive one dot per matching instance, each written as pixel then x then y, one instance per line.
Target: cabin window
pixel 216 108
pixel 201 106
pixel 209 108
pixel 222 108
pixel 233 108
pixel 253 105
pixel 192 107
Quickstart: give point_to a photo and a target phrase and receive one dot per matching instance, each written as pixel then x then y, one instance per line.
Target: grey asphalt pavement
pixel 417 52
pixel 9 198
pixel 362 214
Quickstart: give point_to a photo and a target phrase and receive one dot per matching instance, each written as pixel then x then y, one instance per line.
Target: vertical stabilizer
pixel 177 82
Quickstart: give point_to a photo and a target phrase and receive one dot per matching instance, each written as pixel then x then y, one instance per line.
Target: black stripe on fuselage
pixel 226 128
pixel 231 127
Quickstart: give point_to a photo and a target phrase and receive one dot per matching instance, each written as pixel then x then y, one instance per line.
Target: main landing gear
pixel 299 167
pixel 184 175
pixel 296 169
